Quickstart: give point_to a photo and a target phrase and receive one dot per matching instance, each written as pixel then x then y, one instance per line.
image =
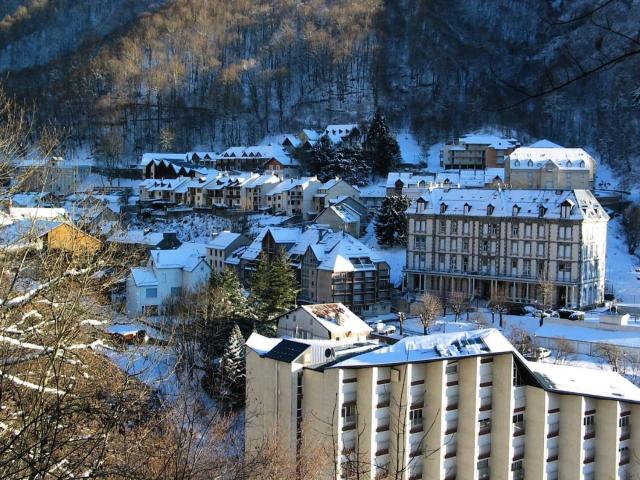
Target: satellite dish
pixel 328 353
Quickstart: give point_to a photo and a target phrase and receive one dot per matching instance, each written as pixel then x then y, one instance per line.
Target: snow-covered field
pixel 410 150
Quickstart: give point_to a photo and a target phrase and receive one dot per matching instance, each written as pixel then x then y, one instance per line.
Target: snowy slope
pixel 410 151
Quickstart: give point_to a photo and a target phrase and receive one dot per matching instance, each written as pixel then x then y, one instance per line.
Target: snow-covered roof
pixel 222 240
pixel 262 180
pixel 345 212
pixel 178 185
pixel 201 155
pixel 23 232
pixel 41 213
pixel 336 318
pixel 144 277
pixel 493 141
pixel 289 184
pixel 136 236
pixel 337 132
pixel 590 382
pixel 544 143
pixel 375 191
pixel 409 179
pixel 186 257
pixel 261 344
pixel 150 157
pixel 266 152
pixel 537 157
pixel 432 347
pixel 470 178
pixel 340 252
pixel 476 202
pixel 281 139
pixel 281 235
pixel 312 135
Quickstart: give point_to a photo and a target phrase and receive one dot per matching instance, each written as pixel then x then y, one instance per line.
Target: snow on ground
pixel 433 157
pixel 410 151
pixel 621 265
pixel 258 221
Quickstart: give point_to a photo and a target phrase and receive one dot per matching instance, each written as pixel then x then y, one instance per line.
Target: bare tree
pixel 563 349
pixel 520 339
pixel 458 302
pixel 402 317
pixel 499 303
pixel 612 354
pixel 431 308
pixel 545 290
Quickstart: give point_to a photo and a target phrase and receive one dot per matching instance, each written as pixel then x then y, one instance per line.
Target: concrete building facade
pixel 461 405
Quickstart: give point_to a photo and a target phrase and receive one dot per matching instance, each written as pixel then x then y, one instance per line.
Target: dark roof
pixel 286 351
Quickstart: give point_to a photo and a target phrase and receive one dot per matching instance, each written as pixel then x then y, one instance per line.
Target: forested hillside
pixel 220 72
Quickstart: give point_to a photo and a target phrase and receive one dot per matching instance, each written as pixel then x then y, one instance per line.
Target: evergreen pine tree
pixel 380 147
pixel 323 155
pixel 232 368
pixel 273 290
pixel 391 221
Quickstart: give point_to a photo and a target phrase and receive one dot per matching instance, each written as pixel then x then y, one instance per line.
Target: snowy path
pixel 621 265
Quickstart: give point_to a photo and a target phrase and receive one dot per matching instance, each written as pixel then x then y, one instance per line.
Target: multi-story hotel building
pixel 511 242
pixel 462 405
pixel 476 152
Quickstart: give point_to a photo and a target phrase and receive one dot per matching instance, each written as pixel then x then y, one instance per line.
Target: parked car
pixel 577 316
pixel 565 312
pixel 384 329
pixel 517 309
pixel 540 313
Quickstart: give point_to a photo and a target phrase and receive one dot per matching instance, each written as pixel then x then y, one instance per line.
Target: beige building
pixel 550 168
pixel 221 246
pixel 481 241
pixel 332 190
pixel 345 214
pixel 329 321
pixel 476 152
pixel 294 196
pixel 461 405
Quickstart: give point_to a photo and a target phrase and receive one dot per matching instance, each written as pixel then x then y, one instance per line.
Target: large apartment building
pixel 462 405
pixel 476 152
pixel 508 242
pixel 550 168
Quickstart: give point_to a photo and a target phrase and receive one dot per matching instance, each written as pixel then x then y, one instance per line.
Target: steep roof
pixel 186 257
pixel 544 143
pixel 538 157
pixel 409 179
pixel 503 202
pixel 222 240
pixel 144 277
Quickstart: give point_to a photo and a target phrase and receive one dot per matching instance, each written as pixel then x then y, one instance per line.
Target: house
pixel 257 158
pixel 137 237
pixel 331 267
pixel 483 242
pixel 167 166
pixel 56 176
pixel 169 273
pixel 309 138
pixel 477 152
pixel 345 214
pixel 40 234
pixel 254 192
pixel 162 192
pixel 225 190
pixel 372 196
pixel 221 246
pixel 461 405
pixel 331 321
pixel 332 189
pixel 338 268
pixel 294 196
pixel 554 168
pixel 342 133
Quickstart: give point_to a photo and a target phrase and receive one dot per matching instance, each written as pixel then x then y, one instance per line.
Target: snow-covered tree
pixel 346 161
pixel 381 149
pixel 232 368
pixel 391 221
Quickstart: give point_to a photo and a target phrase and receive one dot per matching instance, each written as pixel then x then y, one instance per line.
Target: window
pixel 490 209
pixel 484 246
pixel 454 245
pixel 515 230
pixel 564 272
pixel 443 227
pixel 527 248
pixel 624 425
pixel 454 227
pixel 515 211
pixel 467 207
pixel 151 293
pixel 540 249
pixel 420 242
pixel 493 229
pixel 517 468
pixel 420 225
pixel 483 469
pixel 518 381
pixel 541 211
pixel 452 368
pixel 484 426
pixel 176 291
pixel 465 228
pixel 514 267
pixel 415 418
pixel 527 268
pixel 623 452
pixel 465 245
pixel 465 264
pixel 589 422
pixel 443 208
pixel 348 414
pixel 564 251
pixel 540 231
pixel 453 263
pixel 514 248
pixel 564 233
pixel 527 230
pixel 518 423
pixel 441 244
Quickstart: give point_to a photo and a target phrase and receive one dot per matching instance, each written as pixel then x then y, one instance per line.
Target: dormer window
pixel 467 208
pixel 565 209
pixel 421 205
pixel 443 208
pixel 542 210
pixel 490 209
pixel 568 163
pixel 530 163
pixel 515 211
pixel 516 163
pixel 582 164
